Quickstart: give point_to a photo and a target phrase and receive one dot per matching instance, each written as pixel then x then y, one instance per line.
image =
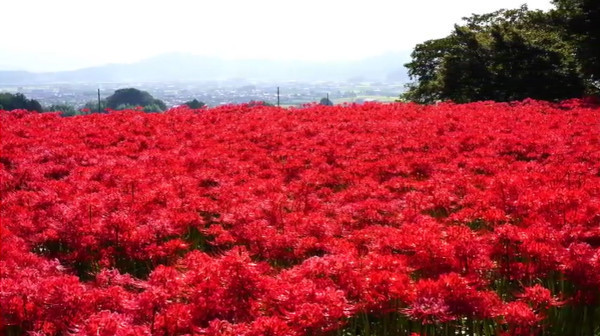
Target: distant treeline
pixel 512 55
pixel 122 99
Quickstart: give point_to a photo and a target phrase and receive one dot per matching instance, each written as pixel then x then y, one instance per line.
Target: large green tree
pixel 505 55
pixel 581 22
pixel 18 101
pixel 133 97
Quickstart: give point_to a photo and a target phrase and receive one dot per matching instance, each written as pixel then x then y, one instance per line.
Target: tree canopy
pixel 510 55
pixel 581 22
pixel 18 101
pixel 326 101
pixel 194 104
pixel 131 97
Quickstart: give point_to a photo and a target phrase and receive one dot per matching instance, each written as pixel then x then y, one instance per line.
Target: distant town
pixel 215 93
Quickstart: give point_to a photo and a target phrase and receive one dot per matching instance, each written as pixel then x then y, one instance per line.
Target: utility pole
pixel 278 96
pixel 99 106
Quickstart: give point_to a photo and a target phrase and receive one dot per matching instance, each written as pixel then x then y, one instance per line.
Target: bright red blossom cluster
pixel 374 219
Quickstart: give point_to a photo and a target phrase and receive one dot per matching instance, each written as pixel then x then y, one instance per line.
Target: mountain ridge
pixel 189 67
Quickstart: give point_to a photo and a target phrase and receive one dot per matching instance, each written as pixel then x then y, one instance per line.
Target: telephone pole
pixel 99 108
pixel 278 96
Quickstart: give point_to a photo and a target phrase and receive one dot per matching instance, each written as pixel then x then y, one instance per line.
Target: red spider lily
pixel 539 298
pixel 521 318
pixel 255 220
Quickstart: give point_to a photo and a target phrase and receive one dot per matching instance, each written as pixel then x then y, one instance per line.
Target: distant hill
pixel 187 67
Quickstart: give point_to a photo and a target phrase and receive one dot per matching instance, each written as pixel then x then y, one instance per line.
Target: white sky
pixel 42 35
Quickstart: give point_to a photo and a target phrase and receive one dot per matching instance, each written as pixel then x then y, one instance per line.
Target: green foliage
pixel 92 106
pixel 581 22
pixel 134 97
pixel 326 101
pixel 260 103
pixel 18 101
pixel 161 106
pixel 148 108
pixel 126 107
pixel 65 109
pixel 194 104
pixel 153 108
pixel 503 56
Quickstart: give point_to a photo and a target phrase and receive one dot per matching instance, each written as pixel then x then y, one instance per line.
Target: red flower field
pixel 374 219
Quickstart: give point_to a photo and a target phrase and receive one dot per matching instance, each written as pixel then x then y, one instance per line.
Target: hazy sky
pixel 43 35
